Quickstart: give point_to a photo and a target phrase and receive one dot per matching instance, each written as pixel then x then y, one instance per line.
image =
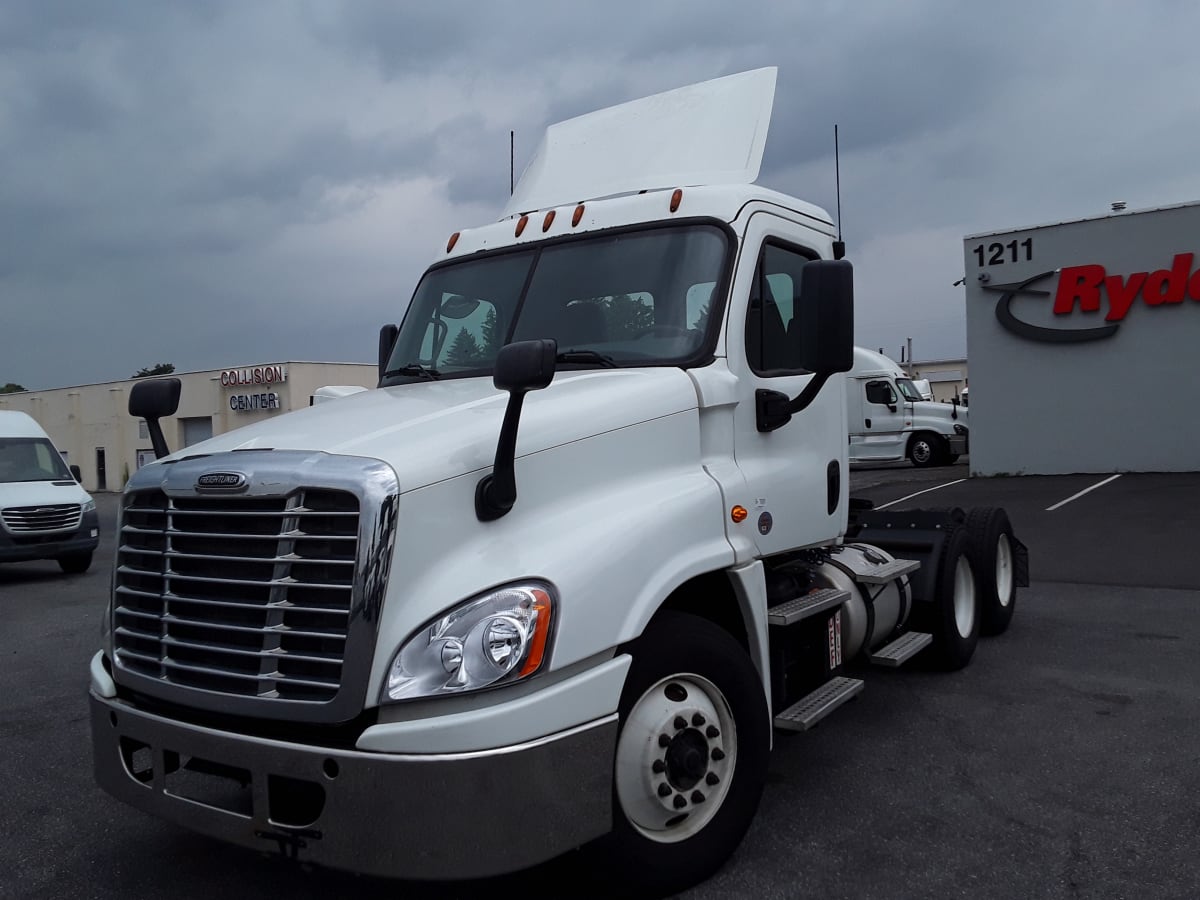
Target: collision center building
pixel 1083 338
pixel 91 426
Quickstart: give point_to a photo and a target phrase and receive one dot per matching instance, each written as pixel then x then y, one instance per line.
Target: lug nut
pixel 658 767
pixel 712 732
pixel 664 790
pixel 664 740
pixel 697 720
pixel 680 723
pixel 711 779
pixel 718 754
pixel 680 803
pixel 697 797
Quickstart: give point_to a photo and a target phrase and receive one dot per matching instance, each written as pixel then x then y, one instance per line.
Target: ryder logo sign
pixel 1091 289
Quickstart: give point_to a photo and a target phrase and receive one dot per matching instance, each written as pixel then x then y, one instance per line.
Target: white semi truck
pixel 889 419
pixel 557 580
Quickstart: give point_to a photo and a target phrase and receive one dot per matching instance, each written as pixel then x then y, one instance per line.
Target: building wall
pixel 1042 404
pixel 947 377
pixel 82 419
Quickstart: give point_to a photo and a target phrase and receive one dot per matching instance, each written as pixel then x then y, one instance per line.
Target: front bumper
pixel 26 547
pixel 424 816
pixel 959 443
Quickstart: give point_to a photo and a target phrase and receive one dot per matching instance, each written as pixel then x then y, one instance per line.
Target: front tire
pixel 927 450
pixel 691 758
pixel 75 563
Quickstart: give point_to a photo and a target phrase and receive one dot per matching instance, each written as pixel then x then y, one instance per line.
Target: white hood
pixel 433 430
pixel 41 493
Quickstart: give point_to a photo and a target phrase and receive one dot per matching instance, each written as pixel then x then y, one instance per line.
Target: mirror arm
pixel 774 410
pixel 496 493
pixel 157 440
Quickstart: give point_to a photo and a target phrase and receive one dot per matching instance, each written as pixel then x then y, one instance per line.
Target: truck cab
pixel 890 420
pixel 566 569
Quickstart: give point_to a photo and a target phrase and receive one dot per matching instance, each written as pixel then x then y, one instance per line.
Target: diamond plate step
pixel 888 571
pixel 806 605
pixel 902 649
pixel 808 711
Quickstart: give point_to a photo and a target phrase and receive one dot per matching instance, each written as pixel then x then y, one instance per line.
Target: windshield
pixel 908 389
pixel 31 459
pixel 633 298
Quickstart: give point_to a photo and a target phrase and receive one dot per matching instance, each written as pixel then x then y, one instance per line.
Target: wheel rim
pixel 675 758
pixel 1004 570
pixel 921 452
pixel 964 598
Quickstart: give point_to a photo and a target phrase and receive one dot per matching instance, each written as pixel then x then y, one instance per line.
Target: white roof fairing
pixel 713 132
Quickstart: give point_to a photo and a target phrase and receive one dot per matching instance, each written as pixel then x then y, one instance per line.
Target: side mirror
pixel 825 317
pixel 520 368
pixel 151 400
pixel 387 340
pixel 76 473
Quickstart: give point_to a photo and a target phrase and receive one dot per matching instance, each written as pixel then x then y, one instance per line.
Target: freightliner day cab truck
pixel 558 579
pixel 889 420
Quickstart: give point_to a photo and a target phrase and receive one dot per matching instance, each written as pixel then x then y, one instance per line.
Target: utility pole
pixel 910 364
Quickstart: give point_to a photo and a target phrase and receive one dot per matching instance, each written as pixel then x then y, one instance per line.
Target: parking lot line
pixel 936 487
pixel 1086 490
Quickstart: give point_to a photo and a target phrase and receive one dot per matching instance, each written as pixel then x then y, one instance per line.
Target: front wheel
pixel 75 563
pixel 691 758
pixel 926 450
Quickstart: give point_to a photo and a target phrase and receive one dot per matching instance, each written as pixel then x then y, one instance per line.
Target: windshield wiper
pixel 416 369
pixel 586 356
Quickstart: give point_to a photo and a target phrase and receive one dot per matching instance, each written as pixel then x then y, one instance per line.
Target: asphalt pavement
pixel 1063 762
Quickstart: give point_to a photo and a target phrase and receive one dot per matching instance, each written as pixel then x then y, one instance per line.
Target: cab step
pixel 888 571
pixel 902 649
pixel 811 709
pixel 806 605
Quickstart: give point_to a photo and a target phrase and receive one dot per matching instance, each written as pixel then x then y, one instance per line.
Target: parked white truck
pixel 889 419
pixel 553 582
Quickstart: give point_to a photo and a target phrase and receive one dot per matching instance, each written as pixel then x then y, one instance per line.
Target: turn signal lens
pixel 453 240
pixel 739 513
pixel 521 223
pixel 676 199
pixel 575 219
pixel 548 220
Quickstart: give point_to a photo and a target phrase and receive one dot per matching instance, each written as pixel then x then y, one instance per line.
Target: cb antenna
pixel 839 246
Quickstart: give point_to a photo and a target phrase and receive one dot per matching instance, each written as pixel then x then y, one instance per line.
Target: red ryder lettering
pixel 1082 284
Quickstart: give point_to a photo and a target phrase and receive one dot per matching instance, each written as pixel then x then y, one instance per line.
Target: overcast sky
pixel 229 183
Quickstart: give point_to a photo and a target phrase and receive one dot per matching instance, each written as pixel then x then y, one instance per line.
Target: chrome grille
pixel 249 596
pixel 32 519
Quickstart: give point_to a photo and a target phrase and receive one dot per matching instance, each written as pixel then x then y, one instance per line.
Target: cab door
pixel 879 435
pixel 795 474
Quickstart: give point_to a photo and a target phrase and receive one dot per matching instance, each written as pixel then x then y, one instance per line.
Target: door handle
pixel 868 423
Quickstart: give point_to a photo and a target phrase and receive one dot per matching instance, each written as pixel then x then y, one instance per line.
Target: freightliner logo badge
pixel 221 481
pixel 1088 289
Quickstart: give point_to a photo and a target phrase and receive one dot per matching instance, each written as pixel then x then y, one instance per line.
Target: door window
pixel 881 392
pixel 772 328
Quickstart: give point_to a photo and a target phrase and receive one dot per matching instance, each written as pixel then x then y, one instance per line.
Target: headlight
pixel 89 506
pixel 495 639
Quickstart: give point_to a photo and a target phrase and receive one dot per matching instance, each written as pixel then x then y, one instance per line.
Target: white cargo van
pixel 44 513
pixel 889 420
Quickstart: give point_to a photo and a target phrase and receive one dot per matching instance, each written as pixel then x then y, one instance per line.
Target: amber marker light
pixel 541 631
pixel 739 513
pixel 546 222
pixel 453 240
pixel 521 223
pixel 575 219
pixel 676 199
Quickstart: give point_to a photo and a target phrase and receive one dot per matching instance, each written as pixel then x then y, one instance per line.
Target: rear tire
pixel 75 563
pixel 691 758
pixel 955 616
pixel 994 559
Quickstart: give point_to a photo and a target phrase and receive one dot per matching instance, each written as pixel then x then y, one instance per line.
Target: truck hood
pixel 433 430
pixel 930 411
pixel 41 493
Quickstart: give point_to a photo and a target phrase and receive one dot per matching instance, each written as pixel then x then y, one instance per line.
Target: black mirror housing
pixel 525 366
pixel 76 473
pixel 826 316
pixel 387 340
pixel 154 399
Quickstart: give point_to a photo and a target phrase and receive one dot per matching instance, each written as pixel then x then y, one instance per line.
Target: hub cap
pixel 675 758
pixel 1004 570
pixel 964 597
pixel 921 452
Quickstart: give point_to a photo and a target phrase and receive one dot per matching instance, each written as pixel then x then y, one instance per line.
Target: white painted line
pixel 1087 490
pixel 937 487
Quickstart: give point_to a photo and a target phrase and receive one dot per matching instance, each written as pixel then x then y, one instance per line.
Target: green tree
pixel 627 316
pixel 465 351
pixel 156 369
pixel 493 337
pixel 11 388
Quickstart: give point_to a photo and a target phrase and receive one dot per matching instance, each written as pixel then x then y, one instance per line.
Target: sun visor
pixel 707 133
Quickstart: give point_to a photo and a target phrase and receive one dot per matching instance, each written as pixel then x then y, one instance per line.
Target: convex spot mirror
pixel 525 366
pixel 154 399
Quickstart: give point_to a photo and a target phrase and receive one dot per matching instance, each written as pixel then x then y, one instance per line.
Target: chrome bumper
pixel 438 816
